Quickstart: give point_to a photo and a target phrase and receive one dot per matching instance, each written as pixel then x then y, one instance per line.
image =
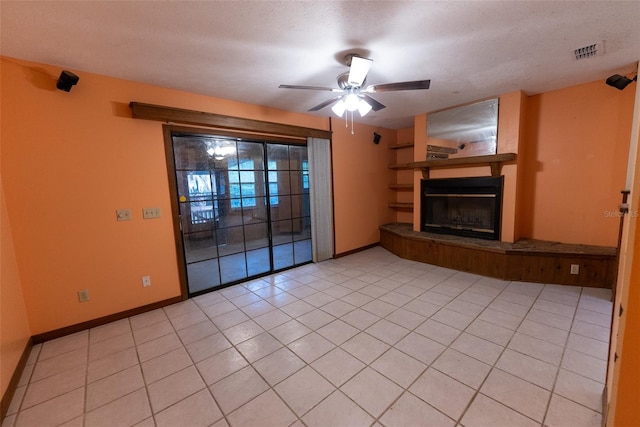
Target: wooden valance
pixel 161 113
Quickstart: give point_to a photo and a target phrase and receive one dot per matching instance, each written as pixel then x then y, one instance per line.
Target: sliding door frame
pixel 169 131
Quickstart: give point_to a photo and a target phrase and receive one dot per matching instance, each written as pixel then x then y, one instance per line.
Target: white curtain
pixel 321 198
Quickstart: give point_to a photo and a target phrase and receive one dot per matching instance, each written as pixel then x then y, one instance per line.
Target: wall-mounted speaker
pixel 376 138
pixel 66 80
pixel 620 82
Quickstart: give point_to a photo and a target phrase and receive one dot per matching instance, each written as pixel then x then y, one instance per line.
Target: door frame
pixel 169 130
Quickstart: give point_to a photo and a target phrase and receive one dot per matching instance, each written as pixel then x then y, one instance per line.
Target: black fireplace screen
pixel 468 207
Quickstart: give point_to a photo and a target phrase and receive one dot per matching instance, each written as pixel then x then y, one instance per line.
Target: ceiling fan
pixel 353 95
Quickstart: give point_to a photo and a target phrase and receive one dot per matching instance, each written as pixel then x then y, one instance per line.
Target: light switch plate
pixel 150 213
pixel 123 214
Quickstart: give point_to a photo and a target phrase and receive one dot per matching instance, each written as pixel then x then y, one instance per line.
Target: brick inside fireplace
pixel 470 207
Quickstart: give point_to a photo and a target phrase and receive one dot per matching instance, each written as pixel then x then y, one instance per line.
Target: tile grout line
pixel 564 347
pixel 492 367
pixel 323 276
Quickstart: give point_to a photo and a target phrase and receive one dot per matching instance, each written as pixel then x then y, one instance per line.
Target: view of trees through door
pixel 244 208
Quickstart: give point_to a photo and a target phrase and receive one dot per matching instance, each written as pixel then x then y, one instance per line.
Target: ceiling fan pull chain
pixel 352 132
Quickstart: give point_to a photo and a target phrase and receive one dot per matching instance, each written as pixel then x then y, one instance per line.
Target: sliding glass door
pixel 244 208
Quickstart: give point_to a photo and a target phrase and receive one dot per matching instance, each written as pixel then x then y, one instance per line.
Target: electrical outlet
pixel 575 269
pixel 146 281
pixel 150 213
pixel 83 295
pixel 123 214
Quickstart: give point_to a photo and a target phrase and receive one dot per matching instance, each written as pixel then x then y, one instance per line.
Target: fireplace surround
pixel 470 207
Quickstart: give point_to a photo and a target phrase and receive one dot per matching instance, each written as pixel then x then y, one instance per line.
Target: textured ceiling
pixel 242 50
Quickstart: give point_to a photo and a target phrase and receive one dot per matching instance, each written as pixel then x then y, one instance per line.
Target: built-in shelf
pixel 403 145
pixel 495 161
pixel 401 186
pixel 397 205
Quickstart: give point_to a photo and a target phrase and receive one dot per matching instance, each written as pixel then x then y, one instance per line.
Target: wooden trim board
pixel 15 380
pixel 72 329
pixel 162 113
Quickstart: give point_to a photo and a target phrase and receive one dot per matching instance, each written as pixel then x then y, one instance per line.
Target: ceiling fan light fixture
pixel 363 107
pixel 339 108
pixel 351 101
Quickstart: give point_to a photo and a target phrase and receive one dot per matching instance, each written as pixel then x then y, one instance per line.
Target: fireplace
pixel 470 207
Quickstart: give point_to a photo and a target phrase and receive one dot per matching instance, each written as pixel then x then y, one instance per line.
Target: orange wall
pixel 69 160
pixel 361 176
pixel 576 148
pixel 14 324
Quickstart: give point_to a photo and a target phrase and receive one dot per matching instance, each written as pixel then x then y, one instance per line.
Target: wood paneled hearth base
pixel 526 260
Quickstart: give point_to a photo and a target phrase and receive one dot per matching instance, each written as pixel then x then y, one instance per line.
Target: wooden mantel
pixel 495 161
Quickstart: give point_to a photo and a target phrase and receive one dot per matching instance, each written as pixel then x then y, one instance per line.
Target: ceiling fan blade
pixel 358 70
pixel 310 88
pixel 325 103
pixel 375 105
pixel 389 87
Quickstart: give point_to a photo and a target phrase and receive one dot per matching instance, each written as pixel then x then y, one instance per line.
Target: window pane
pixel 248 190
pixel 230 217
pixel 248 202
pixel 281 232
pixel 247 176
pixel 298 156
pixel 258 261
pixel 302 251
pixel 256 236
pixel 199 185
pixel 232 164
pixel 282 210
pixel 234 190
pixel 251 155
pixel 305 181
pixel 234 177
pixel 278 155
pixel 200 246
pixel 233 267
pixel 197 216
pixel 303 228
pixel 298 207
pixel 230 240
pixel 190 153
pixel 297 182
pixel 256 213
pixel 282 256
pixel 203 275
pixel 273 193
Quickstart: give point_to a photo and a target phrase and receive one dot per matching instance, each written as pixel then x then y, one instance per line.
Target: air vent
pixel 596 49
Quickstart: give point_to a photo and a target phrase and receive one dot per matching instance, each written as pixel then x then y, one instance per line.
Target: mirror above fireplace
pixel 464 131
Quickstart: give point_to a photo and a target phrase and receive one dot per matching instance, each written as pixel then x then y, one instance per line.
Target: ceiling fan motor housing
pixel 343 81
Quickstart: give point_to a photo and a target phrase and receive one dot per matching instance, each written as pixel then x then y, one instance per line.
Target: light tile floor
pixel 368 339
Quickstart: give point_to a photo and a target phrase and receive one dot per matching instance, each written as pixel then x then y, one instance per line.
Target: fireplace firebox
pixel 470 207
